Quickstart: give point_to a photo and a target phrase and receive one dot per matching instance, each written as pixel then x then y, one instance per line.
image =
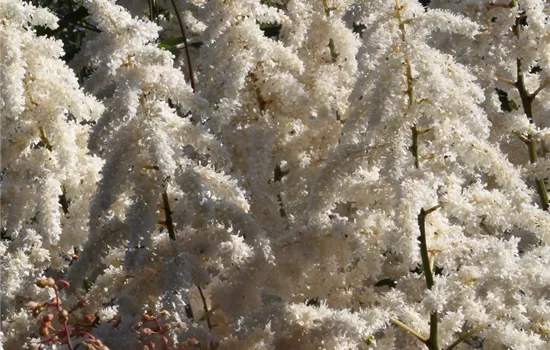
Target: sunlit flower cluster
pixel 276 174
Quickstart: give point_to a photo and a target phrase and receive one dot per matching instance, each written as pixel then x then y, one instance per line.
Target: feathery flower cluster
pixel 277 174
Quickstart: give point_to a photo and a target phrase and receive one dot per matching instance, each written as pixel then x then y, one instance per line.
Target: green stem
pixel 205 307
pixel 424 246
pixel 64 201
pixel 187 55
pixel 168 216
pixel 44 139
pixel 333 52
pixel 408 68
pixel 331 47
pixel 414 146
pixel 410 85
pixel 527 101
pixel 64 323
pixel 327 9
pixel 463 337
pixel 152 14
pixel 409 330
pixel 432 343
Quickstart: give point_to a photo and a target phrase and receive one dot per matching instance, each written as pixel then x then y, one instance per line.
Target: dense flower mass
pixel 275 174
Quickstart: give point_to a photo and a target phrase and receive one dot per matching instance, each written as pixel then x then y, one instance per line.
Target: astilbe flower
pixel 510 58
pixel 163 193
pixel 427 139
pixel 318 174
pixel 279 135
pixel 48 176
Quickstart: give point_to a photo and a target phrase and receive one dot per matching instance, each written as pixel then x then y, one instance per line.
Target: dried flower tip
pixel 47 318
pixel 82 303
pixel 33 305
pixel 145 317
pixel 42 283
pixel 164 313
pixel 56 300
pixel 147 331
pixel 89 318
pixel 181 325
pixel 151 167
pixel 116 320
pixel 63 316
pixel 44 331
pixel 36 312
pixel 63 283
pixel 167 327
pixel 50 282
pixel 192 342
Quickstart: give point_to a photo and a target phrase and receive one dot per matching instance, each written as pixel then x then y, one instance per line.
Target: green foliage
pixel 506 105
pixel 72 25
pixel 273 3
pixel 171 44
pixel 271 30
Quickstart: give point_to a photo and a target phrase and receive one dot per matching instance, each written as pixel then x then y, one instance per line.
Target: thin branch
pixel 90 27
pixel 44 139
pixel 414 146
pixel 539 89
pixel 205 307
pixel 410 85
pixel 432 342
pixel 282 211
pixel 189 312
pixel 64 321
pixel 333 53
pixel 410 80
pixel 168 215
pixel 506 80
pixel 543 194
pixel 63 200
pixel 463 338
pixel 186 47
pixel 152 14
pixel 526 101
pixel 410 330
pixel 408 68
pixel 523 93
pixel 424 245
pixel 523 138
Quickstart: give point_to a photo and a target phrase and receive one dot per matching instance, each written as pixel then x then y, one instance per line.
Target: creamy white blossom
pixel 48 175
pixel 277 174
